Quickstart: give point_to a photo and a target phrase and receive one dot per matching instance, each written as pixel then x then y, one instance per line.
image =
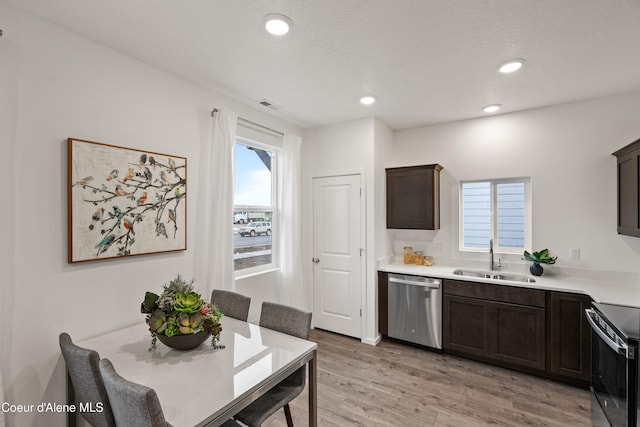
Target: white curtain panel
pixel 220 240
pixel 289 233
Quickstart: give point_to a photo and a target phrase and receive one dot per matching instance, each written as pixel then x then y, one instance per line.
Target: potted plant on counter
pixel 537 258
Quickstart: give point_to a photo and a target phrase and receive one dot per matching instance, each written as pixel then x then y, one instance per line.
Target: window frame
pixel 493 233
pixel 274 264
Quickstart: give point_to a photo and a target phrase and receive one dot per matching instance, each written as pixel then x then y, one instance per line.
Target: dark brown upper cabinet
pixel 413 197
pixel 628 188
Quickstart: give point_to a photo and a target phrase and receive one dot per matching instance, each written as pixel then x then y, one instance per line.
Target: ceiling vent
pixel 266 103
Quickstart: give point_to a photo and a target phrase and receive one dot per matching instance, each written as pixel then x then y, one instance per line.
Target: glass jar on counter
pixel 408 255
pixel 428 261
pixel 418 258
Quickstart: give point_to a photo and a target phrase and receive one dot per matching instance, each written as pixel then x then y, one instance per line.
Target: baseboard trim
pixel 373 342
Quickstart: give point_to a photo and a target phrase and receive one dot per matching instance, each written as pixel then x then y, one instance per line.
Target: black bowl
pixel 184 342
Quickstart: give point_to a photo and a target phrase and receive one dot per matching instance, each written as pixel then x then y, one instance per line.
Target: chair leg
pixel 287 413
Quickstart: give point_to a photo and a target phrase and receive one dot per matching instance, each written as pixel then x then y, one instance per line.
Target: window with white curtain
pixel 497 209
pixel 254 205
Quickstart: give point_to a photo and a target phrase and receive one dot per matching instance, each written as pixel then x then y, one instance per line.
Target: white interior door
pixel 337 257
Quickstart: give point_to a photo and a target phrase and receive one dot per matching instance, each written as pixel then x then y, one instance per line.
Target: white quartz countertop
pixel 599 287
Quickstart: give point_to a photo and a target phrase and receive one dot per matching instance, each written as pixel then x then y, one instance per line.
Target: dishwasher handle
pixel 424 282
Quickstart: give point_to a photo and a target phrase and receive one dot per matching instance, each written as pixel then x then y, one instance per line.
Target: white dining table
pixel 206 386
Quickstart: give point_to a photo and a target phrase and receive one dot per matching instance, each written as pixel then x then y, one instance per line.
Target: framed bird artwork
pixel 124 202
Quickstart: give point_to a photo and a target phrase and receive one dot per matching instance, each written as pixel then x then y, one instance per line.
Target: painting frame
pixel 123 202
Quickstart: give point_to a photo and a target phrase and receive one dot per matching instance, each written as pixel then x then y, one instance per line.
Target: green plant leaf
pixel 188 303
pixel 541 257
pixel 150 302
pixel 157 322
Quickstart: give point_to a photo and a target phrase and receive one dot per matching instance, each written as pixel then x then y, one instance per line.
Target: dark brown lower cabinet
pixel 540 332
pixel 466 327
pixel 383 303
pixel 498 324
pixel 569 337
pixel 519 335
pixel 530 330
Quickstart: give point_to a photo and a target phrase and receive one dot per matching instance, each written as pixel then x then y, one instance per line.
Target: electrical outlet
pixel 574 254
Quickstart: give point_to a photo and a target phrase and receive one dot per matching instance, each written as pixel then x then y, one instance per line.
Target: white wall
pixel 261 287
pixel 383 150
pixel 339 149
pixel 566 150
pixel 57 85
pixel 9 60
pixel 383 147
pixel 342 149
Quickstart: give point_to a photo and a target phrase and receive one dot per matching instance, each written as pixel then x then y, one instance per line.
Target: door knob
pixel 315 260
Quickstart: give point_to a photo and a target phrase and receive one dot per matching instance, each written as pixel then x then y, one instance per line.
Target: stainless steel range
pixel 615 336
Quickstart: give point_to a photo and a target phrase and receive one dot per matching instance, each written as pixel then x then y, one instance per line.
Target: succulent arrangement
pixel 180 310
pixel 537 258
pixel 541 257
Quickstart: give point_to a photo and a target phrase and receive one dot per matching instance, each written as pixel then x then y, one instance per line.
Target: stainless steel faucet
pixel 491 254
pixel 492 264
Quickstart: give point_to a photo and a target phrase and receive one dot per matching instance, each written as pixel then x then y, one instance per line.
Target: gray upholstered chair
pixel 231 304
pixel 85 383
pixel 132 404
pixel 290 321
pixel 135 404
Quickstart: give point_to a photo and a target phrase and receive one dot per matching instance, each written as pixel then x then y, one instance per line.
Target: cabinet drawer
pixel 499 293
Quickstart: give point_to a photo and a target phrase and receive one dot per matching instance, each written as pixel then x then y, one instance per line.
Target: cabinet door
pixel 628 221
pixel 466 326
pixel 628 189
pixel 518 337
pixel 413 197
pixel 569 336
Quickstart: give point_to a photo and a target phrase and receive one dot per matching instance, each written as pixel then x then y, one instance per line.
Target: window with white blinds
pixel 497 209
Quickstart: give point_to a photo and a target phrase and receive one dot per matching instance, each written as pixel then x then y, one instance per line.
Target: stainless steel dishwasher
pixel 415 309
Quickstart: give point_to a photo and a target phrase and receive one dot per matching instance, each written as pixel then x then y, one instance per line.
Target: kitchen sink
pixel 494 275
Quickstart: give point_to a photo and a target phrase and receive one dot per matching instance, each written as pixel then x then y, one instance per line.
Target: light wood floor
pixel 396 385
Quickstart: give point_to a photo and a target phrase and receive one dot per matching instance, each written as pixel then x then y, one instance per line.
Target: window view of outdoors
pixel 253 207
pixel 494 210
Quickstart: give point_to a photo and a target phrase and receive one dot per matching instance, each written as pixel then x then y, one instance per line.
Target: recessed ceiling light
pixel 368 100
pixel 492 108
pixel 511 65
pixel 277 24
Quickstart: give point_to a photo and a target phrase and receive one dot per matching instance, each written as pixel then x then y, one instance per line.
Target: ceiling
pixel 427 61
